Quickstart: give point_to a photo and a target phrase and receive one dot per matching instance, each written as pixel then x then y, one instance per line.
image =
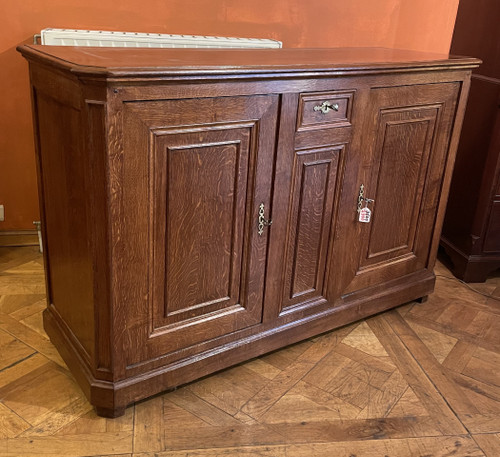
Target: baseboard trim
pixel 13 238
pixel 111 397
pixel 470 268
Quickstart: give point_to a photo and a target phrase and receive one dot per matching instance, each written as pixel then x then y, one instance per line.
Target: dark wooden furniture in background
pixel 160 170
pixel 471 232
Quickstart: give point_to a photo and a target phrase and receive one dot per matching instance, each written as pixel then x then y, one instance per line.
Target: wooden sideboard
pixel 471 231
pixel 200 207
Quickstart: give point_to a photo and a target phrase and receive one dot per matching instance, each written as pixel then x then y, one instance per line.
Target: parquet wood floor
pixel 422 380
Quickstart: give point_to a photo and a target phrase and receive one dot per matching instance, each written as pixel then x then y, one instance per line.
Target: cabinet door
pixel 195 172
pixel 402 156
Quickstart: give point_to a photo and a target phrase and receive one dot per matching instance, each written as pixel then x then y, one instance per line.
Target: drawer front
pixel 319 110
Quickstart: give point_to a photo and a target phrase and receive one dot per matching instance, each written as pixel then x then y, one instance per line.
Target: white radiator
pixel 102 38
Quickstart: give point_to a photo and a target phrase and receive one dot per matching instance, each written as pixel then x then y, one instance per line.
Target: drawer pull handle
pixel 263 222
pixel 325 107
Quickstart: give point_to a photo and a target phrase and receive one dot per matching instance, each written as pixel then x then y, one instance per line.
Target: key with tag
pixel 365 214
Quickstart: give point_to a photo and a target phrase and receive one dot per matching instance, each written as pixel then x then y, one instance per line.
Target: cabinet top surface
pixel 123 62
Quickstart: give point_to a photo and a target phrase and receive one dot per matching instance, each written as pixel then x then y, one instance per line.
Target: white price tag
pixel 365 215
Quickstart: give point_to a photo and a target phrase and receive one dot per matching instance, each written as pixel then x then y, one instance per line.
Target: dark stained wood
pixel 472 227
pixel 492 236
pixel 476 33
pixel 309 117
pixel 197 188
pixel 402 170
pixel 421 383
pixel 402 152
pixel 110 412
pixel 96 120
pixel 130 62
pixel 311 207
pixel 171 277
pixel 69 273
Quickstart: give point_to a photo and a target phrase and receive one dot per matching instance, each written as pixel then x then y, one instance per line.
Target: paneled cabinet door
pixel 402 154
pixel 310 166
pixel 195 174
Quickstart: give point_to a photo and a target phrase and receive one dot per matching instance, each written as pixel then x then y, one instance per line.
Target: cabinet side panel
pixel 472 168
pixel 63 166
pixel 97 156
pixel 492 238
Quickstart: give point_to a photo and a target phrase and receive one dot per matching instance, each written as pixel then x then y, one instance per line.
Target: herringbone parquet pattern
pixel 419 381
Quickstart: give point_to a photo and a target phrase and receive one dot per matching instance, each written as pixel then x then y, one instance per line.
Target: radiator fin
pixel 102 38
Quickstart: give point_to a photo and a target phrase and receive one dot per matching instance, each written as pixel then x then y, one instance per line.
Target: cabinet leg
pixel 110 412
pixel 422 299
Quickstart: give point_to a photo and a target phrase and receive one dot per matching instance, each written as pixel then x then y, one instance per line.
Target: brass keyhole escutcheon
pixel 263 222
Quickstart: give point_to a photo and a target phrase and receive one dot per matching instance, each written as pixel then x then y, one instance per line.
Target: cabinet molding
pixel 200 208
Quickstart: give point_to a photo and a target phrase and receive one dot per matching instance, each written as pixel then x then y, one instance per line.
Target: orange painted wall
pixel 411 24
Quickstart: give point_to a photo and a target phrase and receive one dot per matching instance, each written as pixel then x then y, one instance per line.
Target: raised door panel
pixel 200 185
pixel 402 155
pixel 200 168
pixel 310 215
pixel 401 159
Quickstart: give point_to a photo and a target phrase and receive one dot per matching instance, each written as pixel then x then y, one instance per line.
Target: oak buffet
pixel 200 207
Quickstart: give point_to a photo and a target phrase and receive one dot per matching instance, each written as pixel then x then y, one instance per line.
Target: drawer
pixel 319 110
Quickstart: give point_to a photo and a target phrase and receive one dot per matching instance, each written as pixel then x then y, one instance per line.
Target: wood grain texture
pixel 154 62
pixel 215 211
pixel 198 187
pixel 403 174
pixel 310 118
pixel 66 212
pixel 311 210
pixel 376 387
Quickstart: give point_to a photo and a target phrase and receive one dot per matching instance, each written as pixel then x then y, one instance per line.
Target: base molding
pixel 470 268
pixel 12 238
pixel 111 398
